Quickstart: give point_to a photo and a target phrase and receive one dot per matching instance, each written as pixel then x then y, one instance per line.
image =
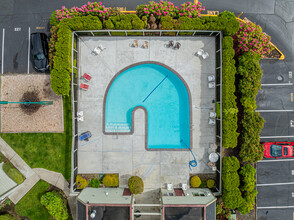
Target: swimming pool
pixel 164 96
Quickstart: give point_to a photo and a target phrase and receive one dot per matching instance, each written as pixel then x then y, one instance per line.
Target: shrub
pixel 6 217
pixel 230 180
pixel 247 173
pixel 195 181
pixel 250 38
pixel 90 9
pixel 230 164
pixel 125 22
pixel 245 207
pixel 252 123
pixel 167 23
pixel 110 180
pixel 136 185
pixel 219 208
pixel 232 199
pixel 164 8
pixel 228 42
pixel 60 74
pixel 228 23
pixel 52 44
pixel 53 19
pixel 229 106
pixel 210 183
pixel 250 196
pixel 55 205
pixel 95 183
pixel 81 182
pixel 203 184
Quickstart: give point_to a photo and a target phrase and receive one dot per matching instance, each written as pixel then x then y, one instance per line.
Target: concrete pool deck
pixel 126 154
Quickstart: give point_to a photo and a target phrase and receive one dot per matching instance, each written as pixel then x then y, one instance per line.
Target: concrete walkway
pixel 32 175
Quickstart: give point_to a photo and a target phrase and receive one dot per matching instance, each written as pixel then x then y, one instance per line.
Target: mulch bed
pixel 18 118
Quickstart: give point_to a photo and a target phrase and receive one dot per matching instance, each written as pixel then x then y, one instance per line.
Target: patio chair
pixel 80 113
pixel 184 186
pixel 211 78
pixel 211 85
pixel 205 55
pixel 212 114
pixel 84 86
pixel 169 186
pixel 101 47
pixel 145 45
pixel 135 43
pixel 85 136
pixel 177 46
pixel 211 121
pixel 80 118
pixel 170 44
pixel 97 50
pixel 199 52
pixel 87 77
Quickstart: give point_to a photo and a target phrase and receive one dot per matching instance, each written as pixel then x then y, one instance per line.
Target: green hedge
pixel 247 174
pixel 250 73
pixel 230 164
pixel 230 110
pixel 61 70
pixel 55 205
pixel 232 199
pixel 225 21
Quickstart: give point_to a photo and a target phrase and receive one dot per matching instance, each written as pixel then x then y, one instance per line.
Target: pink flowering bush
pixel 164 8
pixel 250 38
pixel 92 8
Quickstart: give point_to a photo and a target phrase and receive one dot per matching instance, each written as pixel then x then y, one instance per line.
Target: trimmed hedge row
pixel 229 105
pixel 247 174
pixel 232 197
pixel 225 21
pixel 60 54
pixel 250 72
pixel 61 69
pixel 236 194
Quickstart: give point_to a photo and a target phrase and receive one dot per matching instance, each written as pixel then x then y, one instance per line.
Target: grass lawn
pixel 11 171
pixel 51 151
pixel 30 205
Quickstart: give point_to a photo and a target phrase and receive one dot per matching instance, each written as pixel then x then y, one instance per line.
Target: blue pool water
pixel 165 98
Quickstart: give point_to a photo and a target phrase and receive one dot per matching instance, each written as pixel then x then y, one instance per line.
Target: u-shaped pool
pixel 164 96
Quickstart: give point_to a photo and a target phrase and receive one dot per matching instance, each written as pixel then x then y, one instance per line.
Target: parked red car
pixel 278 149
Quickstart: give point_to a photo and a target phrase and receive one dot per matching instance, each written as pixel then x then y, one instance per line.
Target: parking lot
pixel 14 44
pixel 275 186
pixel 275 102
pixel 275 177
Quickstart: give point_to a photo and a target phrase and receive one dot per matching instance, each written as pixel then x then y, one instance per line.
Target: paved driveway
pixel 275 186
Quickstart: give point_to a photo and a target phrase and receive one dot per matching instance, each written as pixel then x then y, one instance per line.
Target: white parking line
pixel 274 184
pixel 2 52
pixel 276 207
pixel 282 160
pixel 278 84
pixel 282 110
pixel 29 45
pixel 263 137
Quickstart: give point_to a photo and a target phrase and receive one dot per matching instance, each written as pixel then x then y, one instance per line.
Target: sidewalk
pixel 32 175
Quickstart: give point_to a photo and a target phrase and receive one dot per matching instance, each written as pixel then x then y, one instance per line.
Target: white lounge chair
pixel 211 78
pixel 211 121
pixel 205 55
pixel 211 85
pixel 212 114
pixel 199 52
